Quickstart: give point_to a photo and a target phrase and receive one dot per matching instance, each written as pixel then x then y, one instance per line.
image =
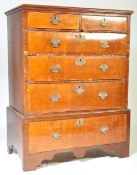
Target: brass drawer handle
pixel 104 67
pixel 80 61
pixel 104 130
pixel 55 97
pixel 79 122
pixel 104 44
pixel 104 22
pixel 80 38
pixel 56 135
pixel 79 90
pixel 55 20
pixel 103 95
pixel 55 68
pixel 55 42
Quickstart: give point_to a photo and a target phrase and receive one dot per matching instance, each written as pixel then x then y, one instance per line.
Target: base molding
pixel 32 161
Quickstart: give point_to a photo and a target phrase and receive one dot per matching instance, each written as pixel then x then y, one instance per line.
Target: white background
pixel 113 4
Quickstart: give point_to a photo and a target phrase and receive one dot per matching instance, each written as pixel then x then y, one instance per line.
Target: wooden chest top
pixel 33 7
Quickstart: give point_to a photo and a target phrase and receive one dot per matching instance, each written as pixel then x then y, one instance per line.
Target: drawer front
pixel 104 23
pixel 73 133
pixel 76 96
pixel 64 42
pixel 47 68
pixel 53 20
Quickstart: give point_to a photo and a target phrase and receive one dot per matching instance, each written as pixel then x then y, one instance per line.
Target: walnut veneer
pixel 68 82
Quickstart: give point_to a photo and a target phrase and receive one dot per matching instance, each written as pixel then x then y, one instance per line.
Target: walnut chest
pixel 68 82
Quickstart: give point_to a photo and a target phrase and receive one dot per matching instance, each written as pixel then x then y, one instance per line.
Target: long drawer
pixel 47 68
pixel 76 96
pixel 72 42
pixel 77 132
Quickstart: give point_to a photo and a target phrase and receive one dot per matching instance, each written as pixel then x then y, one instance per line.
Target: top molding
pixel 66 9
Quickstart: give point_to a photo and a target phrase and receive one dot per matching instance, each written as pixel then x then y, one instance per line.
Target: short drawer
pixel 64 42
pixel 50 68
pixel 77 132
pixel 76 96
pixel 53 20
pixel 104 23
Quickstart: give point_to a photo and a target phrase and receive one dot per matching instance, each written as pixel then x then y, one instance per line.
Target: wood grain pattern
pixel 40 133
pixel 15 61
pixel 116 24
pixel 40 67
pixel 40 96
pixel 40 42
pixel 43 20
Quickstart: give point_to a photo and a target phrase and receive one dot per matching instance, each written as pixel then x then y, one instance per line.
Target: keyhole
pixel 79 122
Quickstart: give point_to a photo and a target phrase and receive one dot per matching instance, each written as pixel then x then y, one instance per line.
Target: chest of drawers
pixel 68 82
